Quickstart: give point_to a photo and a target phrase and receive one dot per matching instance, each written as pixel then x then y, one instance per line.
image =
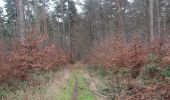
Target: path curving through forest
pixel 70 83
pixel 77 87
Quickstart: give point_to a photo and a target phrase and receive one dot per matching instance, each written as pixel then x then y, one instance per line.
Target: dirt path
pixel 92 81
pixel 75 91
pixel 69 83
pixel 76 88
pixel 82 81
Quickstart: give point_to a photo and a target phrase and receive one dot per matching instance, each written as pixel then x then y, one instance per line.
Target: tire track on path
pixel 75 91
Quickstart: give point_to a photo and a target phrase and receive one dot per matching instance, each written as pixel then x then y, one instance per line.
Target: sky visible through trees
pixel 2 3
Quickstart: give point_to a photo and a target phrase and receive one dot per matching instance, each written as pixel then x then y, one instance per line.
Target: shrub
pixel 116 53
pixel 160 49
pixel 151 71
pixel 166 51
pixel 153 92
pixel 4 66
pixel 155 47
pixel 32 53
pixel 136 56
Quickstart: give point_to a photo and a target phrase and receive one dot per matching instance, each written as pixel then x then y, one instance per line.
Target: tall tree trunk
pixel 164 24
pixel 28 23
pixel 21 20
pixel 151 21
pixel 16 25
pixel 158 19
pixel 92 21
pixel 44 18
pixel 62 12
pixel 2 34
pixel 146 21
pixel 164 18
pixel 37 21
pixel 59 33
pixel 71 40
pixel 120 23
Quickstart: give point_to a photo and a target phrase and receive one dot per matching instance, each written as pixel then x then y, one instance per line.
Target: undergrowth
pixel 15 89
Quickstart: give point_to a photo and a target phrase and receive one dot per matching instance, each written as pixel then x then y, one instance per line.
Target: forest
pixel 84 49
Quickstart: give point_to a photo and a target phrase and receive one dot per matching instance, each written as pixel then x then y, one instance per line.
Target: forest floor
pixel 79 81
pixel 70 83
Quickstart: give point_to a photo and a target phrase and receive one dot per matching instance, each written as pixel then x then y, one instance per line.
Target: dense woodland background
pixel 128 36
pixel 77 31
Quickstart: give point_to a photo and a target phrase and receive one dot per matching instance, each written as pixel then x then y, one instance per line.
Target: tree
pixel 158 18
pixel 90 8
pixel 21 19
pixel 37 22
pixel 2 20
pixel 119 17
pixel 72 14
pixel 28 17
pixel 164 14
pixel 44 17
pixel 11 16
pixel 151 21
pixel 62 13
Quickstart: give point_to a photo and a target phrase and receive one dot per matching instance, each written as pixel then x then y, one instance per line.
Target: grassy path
pixel 69 83
pixel 76 88
pixel 84 92
pixel 75 91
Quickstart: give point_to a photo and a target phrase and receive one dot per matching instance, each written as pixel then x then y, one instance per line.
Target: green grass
pixel 84 92
pixel 66 92
pixel 99 70
pixel 166 72
pixel 18 92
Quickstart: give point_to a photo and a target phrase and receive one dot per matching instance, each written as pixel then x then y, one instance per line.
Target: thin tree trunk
pixel 91 21
pixel 59 33
pixel 158 19
pixel 151 21
pixel 28 16
pixel 44 18
pixel 2 34
pixel 71 42
pixel 146 20
pixel 120 19
pixel 15 24
pixel 164 19
pixel 62 11
pixel 102 23
pixel 16 27
pixel 37 22
pixel 21 20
